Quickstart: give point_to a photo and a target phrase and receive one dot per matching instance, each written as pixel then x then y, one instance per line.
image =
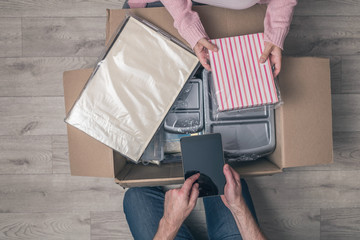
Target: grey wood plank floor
pixel 40 200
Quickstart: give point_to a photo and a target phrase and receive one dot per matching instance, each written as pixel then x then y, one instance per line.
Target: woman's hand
pixel 272 52
pixel 201 50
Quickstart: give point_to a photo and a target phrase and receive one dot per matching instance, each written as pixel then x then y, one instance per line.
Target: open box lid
pixel 304 121
pixel 218 22
pixel 88 157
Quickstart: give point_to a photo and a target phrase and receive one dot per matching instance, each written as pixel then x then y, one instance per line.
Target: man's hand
pixel 272 52
pixel 180 202
pixel 178 205
pixel 201 50
pixel 232 197
pixel 234 200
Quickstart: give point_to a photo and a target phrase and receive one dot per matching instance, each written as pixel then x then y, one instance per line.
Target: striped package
pixel 240 80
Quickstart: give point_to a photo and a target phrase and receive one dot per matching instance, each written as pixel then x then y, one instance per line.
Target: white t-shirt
pixel 232 4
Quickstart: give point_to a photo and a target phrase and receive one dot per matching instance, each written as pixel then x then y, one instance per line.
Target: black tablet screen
pixel 204 154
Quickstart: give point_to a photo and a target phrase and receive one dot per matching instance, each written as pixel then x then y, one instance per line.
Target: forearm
pixel 166 231
pixel 139 3
pixel 186 21
pixel 277 20
pixel 246 223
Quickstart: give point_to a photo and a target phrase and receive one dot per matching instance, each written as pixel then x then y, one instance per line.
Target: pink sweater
pixel 276 24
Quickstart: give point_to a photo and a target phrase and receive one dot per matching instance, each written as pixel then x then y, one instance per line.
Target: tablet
pixel 204 154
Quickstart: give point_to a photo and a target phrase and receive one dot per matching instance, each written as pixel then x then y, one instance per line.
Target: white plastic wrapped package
pixel 132 88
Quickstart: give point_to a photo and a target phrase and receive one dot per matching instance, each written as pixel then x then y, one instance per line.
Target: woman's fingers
pixel 201 50
pixel 203 60
pixel 277 69
pixel 208 45
pixel 265 55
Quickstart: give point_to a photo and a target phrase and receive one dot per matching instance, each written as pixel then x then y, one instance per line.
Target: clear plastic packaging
pixel 246 134
pixel 253 111
pixel 164 148
pixel 172 142
pixel 172 158
pixel 133 87
pixel 154 152
pixel 186 115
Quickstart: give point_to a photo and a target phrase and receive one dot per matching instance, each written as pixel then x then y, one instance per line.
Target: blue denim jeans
pixel 144 207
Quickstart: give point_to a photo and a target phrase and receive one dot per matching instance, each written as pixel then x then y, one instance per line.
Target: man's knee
pixel 137 196
pixel 131 196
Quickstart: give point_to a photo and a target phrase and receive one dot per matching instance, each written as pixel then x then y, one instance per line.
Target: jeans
pixel 144 207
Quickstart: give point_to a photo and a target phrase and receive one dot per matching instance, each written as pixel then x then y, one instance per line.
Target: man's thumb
pixel 228 175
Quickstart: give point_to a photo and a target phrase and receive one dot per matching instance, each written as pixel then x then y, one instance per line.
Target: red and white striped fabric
pixel 240 80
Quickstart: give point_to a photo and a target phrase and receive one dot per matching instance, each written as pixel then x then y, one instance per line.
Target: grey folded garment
pixel 132 89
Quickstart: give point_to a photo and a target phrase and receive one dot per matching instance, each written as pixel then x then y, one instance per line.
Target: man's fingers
pixel 189 183
pixel 228 175
pixel 208 45
pixel 266 53
pixel 235 174
pixel 194 194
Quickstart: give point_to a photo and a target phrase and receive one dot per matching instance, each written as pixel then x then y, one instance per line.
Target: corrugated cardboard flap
pixel 216 20
pixel 133 175
pixel 88 157
pixel 306 118
pixel 256 168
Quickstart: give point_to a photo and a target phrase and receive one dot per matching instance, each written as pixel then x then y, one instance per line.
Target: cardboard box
pixel 303 123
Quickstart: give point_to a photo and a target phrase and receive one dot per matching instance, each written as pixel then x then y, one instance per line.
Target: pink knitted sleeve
pixel 138 3
pixel 186 21
pixel 277 20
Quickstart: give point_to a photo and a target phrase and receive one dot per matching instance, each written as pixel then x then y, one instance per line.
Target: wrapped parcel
pixel 132 88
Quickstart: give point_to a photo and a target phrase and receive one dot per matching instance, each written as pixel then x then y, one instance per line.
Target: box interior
pixel 303 122
pixel 89 157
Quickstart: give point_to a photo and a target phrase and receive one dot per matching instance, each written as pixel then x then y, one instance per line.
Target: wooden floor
pixel 40 200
